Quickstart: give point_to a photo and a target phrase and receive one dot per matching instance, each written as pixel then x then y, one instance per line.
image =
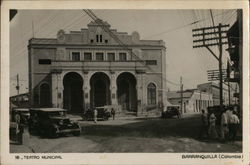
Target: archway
pixel 100 90
pixel 45 95
pixel 126 91
pixel 73 92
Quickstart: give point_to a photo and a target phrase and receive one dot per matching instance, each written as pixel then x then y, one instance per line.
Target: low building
pixel 214 89
pixel 21 100
pixel 193 100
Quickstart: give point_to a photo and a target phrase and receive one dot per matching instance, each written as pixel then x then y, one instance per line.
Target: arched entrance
pixel 45 95
pixel 73 92
pixel 99 92
pixel 126 91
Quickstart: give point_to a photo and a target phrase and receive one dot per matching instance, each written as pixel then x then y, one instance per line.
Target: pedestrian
pixel 95 115
pixel 113 113
pixel 234 121
pixel 204 125
pixel 229 114
pixel 212 126
pixel 224 125
pixel 19 129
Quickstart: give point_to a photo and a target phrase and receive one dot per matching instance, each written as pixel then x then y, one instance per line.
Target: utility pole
pixel 204 39
pixel 229 93
pixel 17 87
pixel 181 92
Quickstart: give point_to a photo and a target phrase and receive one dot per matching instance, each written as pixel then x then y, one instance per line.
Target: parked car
pixel 20 113
pixel 103 113
pixel 52 122
pixel 171 111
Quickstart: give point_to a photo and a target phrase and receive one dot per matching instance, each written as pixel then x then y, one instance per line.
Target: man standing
pixel 95 115
pixel 224 123
pixel 204 126
pixel 234 121
pixel 113 113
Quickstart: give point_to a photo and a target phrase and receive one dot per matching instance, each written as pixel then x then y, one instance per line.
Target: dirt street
pixel 131 135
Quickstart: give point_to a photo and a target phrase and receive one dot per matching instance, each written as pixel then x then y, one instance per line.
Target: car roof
pixel 21 109
pixel 48 109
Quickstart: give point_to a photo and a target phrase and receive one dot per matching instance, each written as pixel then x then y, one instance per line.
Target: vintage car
pixel 20 113
pixel 52 122
pixel 171 111
pixel 103 113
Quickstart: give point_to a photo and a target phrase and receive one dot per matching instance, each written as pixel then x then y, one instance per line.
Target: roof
pixel 21 109
pixel 177 94
pixel 48 109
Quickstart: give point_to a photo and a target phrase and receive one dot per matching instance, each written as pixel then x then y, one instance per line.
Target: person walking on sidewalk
pixel 95 115
pixel 212 127
pixel 113 113
pixel 234 121
pixel 224 125
pixel 204 125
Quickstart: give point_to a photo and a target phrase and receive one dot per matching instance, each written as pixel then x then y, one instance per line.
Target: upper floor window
pixel 87 56
pixel 99 56
pixel 45 61
pixel 122 57
pixel 98 38
pixel 111 56
pixel 151 90
pixel 75 56
pixel 151 62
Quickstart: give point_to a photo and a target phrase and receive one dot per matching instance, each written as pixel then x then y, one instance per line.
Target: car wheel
pixel 52 133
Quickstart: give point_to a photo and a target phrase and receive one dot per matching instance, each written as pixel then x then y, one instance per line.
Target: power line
pixel 101 24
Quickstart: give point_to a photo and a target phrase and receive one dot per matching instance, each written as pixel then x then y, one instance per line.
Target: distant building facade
pixel 88 68
pixel 214 89
pixel 193 100
pixel 21 100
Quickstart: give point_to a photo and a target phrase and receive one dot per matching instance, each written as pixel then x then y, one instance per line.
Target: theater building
pixel 89 68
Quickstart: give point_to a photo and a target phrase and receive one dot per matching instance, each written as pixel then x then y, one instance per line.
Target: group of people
pixel 224 127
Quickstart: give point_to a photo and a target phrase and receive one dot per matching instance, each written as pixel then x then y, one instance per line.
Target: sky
pixel 174 27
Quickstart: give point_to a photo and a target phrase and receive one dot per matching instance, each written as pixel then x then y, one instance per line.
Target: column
pixel 60 91
pixel 139 89
pixel 86 90
pixel 54 89
pixel 113 89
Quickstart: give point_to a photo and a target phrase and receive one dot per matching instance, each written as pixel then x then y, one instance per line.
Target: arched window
pixel 44 95
pixel 151 94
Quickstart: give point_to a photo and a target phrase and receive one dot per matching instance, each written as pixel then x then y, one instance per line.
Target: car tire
pixel 52 133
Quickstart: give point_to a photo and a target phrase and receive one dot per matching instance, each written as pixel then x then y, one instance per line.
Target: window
pixel 97 38
pixel 151 62
pixel 100 38
pixel 122 56
pixel 99 56
pixel 111 56
pixel 45 61
pixel 106 41
pixel 87 56
pixel 91 41
pixel 151 94
pixel 75 56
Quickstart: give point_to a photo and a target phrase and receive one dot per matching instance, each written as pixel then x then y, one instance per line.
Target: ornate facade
pixel 88 68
